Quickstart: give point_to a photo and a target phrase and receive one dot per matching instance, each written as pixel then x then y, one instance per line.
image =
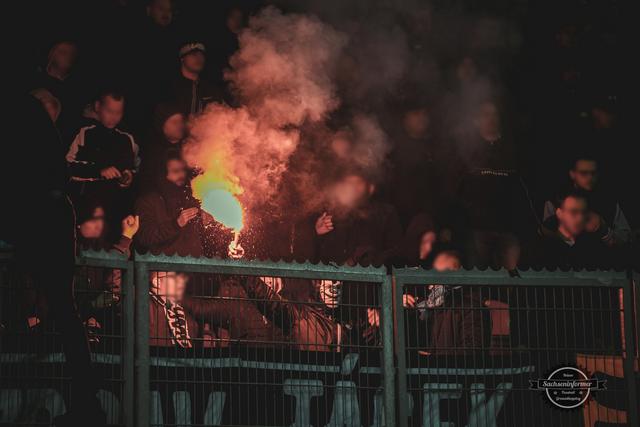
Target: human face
pixel 177 172
pixel 94 226
pixel 416 123
pixel 352 191
pixel 64 56
pixel 174 128
pixel 426 244
pixel 235 20
pixel 572 216
pixel 194 61
pixel 109 111
pixel 171 285
pixel 488 121
pixel 160 12
pixel 585 174
pixel 341 146
pixel 446 262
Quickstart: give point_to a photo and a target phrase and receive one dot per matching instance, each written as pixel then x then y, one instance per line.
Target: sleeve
pixel 136 154
pixel 549 210
pixel 155 228
pixel 620 227
pixel 81 168
pixel 123 246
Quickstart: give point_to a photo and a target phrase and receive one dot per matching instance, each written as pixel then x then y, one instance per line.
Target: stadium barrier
pixel 274 343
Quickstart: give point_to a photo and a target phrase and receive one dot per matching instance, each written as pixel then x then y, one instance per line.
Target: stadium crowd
pixel 529 175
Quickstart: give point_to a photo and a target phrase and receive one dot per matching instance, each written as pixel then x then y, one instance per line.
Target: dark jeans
pixel 494 249
pixel 45 249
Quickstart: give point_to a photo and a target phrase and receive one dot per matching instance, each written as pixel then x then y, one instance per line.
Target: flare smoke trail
pixel 283 77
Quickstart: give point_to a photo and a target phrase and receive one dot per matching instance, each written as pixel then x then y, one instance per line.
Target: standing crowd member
pixel 45 225
pixel 168 133
pixel 605 214
pixel 171 221
pixel 491 193
pixel 571 244
pixel 103 159
pixel 190 91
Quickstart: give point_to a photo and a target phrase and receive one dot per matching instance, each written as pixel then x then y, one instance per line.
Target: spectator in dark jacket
pixel 455 316
pixel 171 221
pixel 412 184
pixel 491 194
pixel 420 243
pixel 103 159
pixel 57 77
pixel 605 214
pixel 189 91
pixel 354 228
pixel 43 201
pixel 174 316
pixel 570 245
pixel 169 129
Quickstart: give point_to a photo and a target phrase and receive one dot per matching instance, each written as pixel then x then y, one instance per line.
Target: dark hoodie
pixel 410 254
pixel 491 191
pixel 157 147
pixel 159 230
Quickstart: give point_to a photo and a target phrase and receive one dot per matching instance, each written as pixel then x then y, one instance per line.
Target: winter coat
pixel 159 230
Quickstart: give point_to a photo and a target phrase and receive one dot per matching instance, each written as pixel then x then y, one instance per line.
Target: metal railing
pixel 34 384
pixel 387 364
pixel 490 334
pixel 375 279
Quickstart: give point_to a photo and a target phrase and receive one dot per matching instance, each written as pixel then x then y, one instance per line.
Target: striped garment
pixel 177 321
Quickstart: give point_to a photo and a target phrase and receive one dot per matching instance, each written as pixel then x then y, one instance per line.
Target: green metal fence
pixel 375 279
pixel 537 322
pixel 460 350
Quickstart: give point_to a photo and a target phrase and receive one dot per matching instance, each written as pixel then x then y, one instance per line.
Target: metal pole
pixel 128 350
pixel 387 353
pixel 403 402
pixel 629 360
pixel 142 344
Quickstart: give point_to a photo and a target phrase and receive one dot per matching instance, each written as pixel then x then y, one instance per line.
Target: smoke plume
pixel 282 77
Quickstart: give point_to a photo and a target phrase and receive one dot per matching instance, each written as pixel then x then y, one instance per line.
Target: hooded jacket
pixel 159 230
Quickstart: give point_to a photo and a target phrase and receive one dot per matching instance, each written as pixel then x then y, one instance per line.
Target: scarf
pixel 177 321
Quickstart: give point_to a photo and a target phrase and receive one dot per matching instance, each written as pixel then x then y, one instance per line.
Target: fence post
pixel 142 344
pixel 388 353
pixel 398 309
pixel 128 350
pixel 630 352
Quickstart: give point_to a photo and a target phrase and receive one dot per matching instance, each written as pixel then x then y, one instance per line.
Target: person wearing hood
pixel 167 134
pixel 171 221
pixel 420 243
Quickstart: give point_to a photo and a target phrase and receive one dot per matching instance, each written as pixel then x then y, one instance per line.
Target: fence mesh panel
pixel 241 350
pixel 472 350
pixel 35 384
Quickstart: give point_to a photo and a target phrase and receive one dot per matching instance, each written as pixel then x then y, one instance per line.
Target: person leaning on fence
pixel 174 316
pixel 303 309
pixel 455 318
